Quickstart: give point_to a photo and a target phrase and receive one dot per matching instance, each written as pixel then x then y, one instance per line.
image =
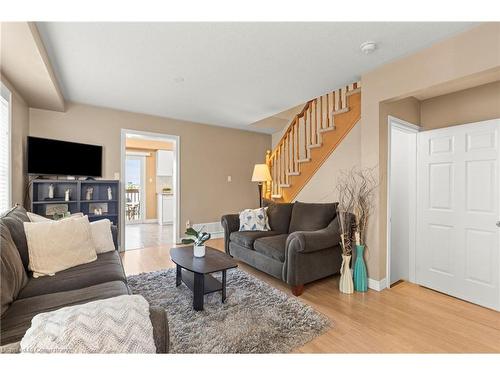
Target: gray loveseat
pixel 302 245
pixel 23 297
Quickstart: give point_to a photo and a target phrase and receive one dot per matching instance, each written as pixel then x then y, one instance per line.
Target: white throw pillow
pixel 102 236
pixel 34 218
pixel 254 219
pixel 54 246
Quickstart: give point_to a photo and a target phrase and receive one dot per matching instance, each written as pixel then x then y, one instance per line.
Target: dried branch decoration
pixel 363 206
pixel 346 193
pixel 355 189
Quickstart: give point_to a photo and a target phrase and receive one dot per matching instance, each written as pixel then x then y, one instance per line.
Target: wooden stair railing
pixel 312 135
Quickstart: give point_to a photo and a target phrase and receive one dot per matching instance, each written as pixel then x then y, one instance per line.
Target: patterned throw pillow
pixel 254 219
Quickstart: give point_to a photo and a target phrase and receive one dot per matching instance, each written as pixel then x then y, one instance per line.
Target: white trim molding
pixel 214 228
pixel 377 285
pixel 407 127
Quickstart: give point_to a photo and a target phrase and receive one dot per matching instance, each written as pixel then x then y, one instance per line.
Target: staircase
pixel 310 138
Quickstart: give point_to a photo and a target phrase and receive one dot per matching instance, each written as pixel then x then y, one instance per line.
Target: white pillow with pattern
pixel 254 219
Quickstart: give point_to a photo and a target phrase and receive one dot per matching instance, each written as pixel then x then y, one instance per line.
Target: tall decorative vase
pixel 360 278
pixel 346 284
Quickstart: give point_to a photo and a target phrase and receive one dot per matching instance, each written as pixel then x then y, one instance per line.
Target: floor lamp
pixel 261 174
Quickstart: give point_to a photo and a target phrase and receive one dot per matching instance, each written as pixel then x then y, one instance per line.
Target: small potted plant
pixel 198 241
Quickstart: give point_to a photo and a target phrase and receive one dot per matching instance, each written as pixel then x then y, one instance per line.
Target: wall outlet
pixel 188 224
pixel 229 178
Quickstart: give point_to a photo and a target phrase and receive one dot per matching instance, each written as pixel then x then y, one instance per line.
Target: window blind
pixel 5 175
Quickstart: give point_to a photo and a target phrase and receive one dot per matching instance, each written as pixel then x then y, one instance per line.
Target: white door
pixel 458 212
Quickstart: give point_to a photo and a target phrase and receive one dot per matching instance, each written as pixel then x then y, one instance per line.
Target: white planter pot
pixel 199 251
pixel 346 284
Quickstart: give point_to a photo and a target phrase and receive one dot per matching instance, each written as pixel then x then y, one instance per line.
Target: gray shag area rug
pixel 256 318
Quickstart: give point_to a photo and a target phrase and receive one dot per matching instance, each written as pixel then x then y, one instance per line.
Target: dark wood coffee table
pixel 195 272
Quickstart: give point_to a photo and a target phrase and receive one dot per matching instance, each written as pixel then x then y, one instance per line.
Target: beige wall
pixel 453 64
pixel 471 105
pixel 321 187
pixel 19 129
pixel 208 154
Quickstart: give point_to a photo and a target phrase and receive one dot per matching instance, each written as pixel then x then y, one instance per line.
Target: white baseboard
pixel 215 229
pixel 377 285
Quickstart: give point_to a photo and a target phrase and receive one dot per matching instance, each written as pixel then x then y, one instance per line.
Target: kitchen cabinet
pixel 164 163
pixel 165 209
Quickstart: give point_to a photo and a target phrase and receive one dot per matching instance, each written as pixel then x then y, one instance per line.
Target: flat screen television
pixel 53 157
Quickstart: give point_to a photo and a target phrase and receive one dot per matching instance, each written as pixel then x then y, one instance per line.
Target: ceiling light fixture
pixel 368 47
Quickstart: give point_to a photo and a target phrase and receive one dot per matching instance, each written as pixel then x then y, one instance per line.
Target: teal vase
pixel 360 279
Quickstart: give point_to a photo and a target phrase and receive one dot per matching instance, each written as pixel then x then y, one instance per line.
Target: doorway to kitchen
pixel 135 177
pixel 150 187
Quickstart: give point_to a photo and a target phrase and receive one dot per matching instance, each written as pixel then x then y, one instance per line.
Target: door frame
pixel 142 193
pixel 407 127
pixel 176 178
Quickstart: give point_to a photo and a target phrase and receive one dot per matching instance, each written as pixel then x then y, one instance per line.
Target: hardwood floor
pixel 404 319
pixel 139 236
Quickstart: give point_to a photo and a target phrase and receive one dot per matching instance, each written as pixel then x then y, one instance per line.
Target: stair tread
pixel 329 129
pixel 293 173
pixel 276 196
pixel 285 185
pixel 304 160
pixel 340 111
pixel 315 145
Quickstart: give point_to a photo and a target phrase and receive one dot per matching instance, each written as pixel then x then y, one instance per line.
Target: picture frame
pixel 98 207
pixel 56 209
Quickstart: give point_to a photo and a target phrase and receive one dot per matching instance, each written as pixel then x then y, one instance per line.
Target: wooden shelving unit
pixel 39 191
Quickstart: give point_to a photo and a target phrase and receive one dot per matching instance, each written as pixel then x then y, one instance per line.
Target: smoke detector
pixel 368 47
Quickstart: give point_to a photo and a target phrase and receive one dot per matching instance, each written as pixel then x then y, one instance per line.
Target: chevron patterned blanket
pixel 114 325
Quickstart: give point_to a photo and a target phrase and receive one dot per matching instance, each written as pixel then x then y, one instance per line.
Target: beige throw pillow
pixel 102 236
pixel 54 246
pixel 34 218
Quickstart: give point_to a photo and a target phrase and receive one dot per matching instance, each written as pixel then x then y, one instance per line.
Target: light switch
pixel 229 179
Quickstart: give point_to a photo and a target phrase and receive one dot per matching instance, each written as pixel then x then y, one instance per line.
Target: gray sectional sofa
pixel 302 246
pixel 22 296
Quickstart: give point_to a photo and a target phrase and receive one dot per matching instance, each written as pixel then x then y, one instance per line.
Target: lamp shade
pixel 261 173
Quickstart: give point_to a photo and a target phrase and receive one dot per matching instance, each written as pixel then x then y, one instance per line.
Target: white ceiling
pixel 232 74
